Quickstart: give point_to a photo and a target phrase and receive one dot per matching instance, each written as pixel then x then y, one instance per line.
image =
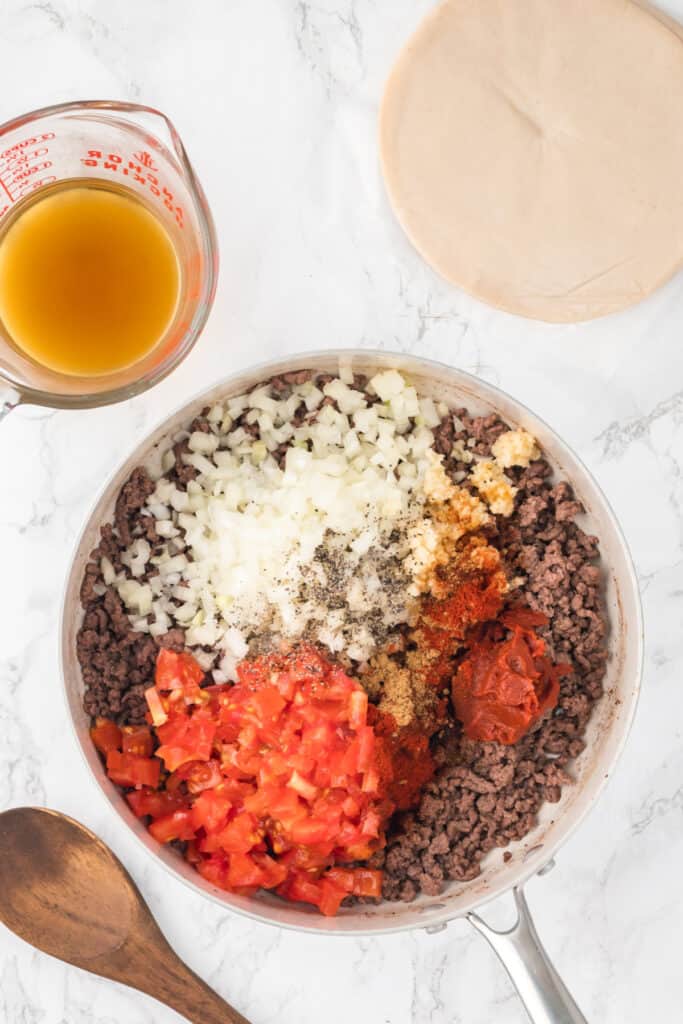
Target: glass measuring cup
pixel 122 144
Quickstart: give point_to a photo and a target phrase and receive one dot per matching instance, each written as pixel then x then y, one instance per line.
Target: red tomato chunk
pixel 106 736
pixel 137 740
pixel 132 770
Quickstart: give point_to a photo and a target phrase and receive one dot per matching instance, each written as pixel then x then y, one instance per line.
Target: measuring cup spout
pixel 149 118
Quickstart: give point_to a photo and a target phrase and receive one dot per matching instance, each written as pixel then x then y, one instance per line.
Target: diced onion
pixel 242 536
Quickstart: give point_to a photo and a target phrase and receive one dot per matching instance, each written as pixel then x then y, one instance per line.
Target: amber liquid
pixel 89 279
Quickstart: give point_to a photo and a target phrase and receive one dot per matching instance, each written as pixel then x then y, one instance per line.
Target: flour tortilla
pixel 533 151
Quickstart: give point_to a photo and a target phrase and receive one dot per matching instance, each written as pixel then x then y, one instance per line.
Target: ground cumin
pixel 401 690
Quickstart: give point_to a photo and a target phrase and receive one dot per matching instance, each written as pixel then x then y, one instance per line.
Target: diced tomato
pixel 274 873
pixel 174 757
pixel 177 825
pixel 235 790
pixel 259 803
pixel 370 781
pixel 274 782
pixel 312 859
pixel 366 747
pixel 106 735
pixel 248 736
pixel 367 882
pixel 304 889
pixel 204 775
pixel 331 898
pixel 192 741
pixel 287 808
pixel 358 709
pixel 167 674
pixel 371 824
pixel 192 672
pixel 201 736
pixel 210 811
pixel 268 703
pixel 177 671
pixel 351 807
pixel 347 765
pixel 137 739
pixel 246 763
pixel 323 894
pixel 154 803
pixel 239 835
pixel 343 878
pixel 172 733
pixel 303 764
pixel 357 851
pixel 198 775
pixel 318 735
pixel 329 809
pixel 308 831
pixel 243 871
pixel 131 770
pixel 215 870
pixel 286 684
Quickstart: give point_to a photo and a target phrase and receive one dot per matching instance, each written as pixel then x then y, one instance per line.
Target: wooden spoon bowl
pixel 64 892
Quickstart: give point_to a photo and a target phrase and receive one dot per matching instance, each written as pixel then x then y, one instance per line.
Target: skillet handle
pixel 538 984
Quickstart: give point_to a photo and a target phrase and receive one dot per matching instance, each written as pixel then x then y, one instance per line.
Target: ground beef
pixel 131 499
pixel 488 795
pixel 484 795
pixel 117 663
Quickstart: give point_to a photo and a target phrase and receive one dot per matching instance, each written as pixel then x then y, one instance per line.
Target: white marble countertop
pixel 277 103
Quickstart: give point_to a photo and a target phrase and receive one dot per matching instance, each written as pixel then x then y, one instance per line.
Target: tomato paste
pixel 506 682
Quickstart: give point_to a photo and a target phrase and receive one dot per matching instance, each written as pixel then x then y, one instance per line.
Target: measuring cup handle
pixel 9 399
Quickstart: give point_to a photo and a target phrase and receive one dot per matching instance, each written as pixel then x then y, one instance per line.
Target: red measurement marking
pixel 145 159
pixel 6 190
pixel 115 162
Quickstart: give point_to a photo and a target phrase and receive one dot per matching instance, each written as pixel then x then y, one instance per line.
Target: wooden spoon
pixel 63 891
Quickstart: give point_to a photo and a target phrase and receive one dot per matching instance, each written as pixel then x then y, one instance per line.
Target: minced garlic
pixel 437 485
pixel 424 542
pixel 465 514
pixel 452 512
pixel 491 482
pixel 515 448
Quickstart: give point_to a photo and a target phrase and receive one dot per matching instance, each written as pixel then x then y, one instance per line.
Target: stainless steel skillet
pixel 545 997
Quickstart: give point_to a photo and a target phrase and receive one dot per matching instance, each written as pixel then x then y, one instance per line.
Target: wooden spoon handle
pixel 147 962
pixel 188 995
